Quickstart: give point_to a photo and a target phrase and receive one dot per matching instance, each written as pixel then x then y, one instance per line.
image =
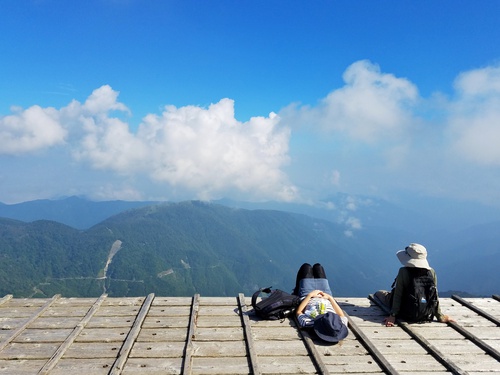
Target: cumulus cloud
pixel 209 151
pixel 380 133
pixel 30 130
pixel 474 120
pixel 203 150
pixel 369 107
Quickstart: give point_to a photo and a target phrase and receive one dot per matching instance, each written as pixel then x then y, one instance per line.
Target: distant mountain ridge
pixel 73 211
pixel 366 251
pixel 179 249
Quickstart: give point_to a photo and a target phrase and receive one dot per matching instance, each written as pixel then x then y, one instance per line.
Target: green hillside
pixel 179 249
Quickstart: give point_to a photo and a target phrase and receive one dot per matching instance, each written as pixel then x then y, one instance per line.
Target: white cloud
pixel 353 223
pixel 30 130
pixel 209 151
pixel 474 122
pixel 370 107
pixel 202 150
pixel 375 129
pixel 335 178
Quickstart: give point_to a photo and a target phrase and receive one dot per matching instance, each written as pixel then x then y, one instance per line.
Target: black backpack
pixel 275 304
pixel 420 302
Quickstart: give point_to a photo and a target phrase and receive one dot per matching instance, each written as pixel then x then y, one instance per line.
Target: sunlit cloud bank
pixel 377 124
pixel 205 150
pixel 474 122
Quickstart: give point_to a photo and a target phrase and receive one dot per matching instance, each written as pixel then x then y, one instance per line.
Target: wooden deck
pixel 207 335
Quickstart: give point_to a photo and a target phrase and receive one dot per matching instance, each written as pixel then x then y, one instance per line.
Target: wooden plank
pixel 27 302
pixel 19 330
pixel 97 366
pixel 432 350
pixel 119 311
pixel 220 365
pixel 11 323
pixel 218 321
pixel 317 362
pixel 444 360
pixel 476 340
pixel 372 349
pixel 157 322
pixel 220 301
pixel 43 335
pixel 276 333
pixel 131 337
pixel 124 301
pixel 289 365
pixel 85 350
pixel 349 364
pixel 153 366
pixel 51 363
pixel 220 349
pixel 91 335
pixel 207 310
pixel 162 335
pixel 159 347
pixel 5 298
pixel 172 301
pixel 219 334
pixel 188 349
pixel 477 310
pixel 55 323
pixel 68 311
pixel 74 302
pixel 29 350
pixel 171 311
pixel 247 333
pixel 408 362
pixel 483 364
pixel 124 321
pixel 172 349
pixel 272 348
pixel 20 366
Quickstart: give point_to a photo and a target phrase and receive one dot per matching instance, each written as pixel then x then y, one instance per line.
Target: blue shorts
pixel 310 284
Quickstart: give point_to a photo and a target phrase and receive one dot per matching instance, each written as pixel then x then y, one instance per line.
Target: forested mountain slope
pixel 180 249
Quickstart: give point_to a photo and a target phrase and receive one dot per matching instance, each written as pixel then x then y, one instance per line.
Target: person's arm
pixel 439 315
pixel 334 303
pixel 302 307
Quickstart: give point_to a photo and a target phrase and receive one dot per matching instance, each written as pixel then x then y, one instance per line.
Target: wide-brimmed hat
pixel 414 255
pixel 329 327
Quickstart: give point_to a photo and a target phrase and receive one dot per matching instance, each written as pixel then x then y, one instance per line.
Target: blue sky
pixel 250 100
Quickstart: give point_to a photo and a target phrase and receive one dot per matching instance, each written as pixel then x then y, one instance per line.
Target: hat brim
pixel 408 261
pixel 339 335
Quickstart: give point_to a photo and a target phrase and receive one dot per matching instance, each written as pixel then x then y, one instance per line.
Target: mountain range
pixel 78 247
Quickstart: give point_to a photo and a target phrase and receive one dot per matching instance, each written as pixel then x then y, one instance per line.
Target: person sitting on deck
pixel 318 309
pixel 414 261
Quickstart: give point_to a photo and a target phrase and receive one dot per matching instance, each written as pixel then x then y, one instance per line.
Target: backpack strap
pixel 258 292
pixel 393 283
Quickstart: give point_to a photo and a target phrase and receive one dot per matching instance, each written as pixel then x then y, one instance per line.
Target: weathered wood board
pixel 209 335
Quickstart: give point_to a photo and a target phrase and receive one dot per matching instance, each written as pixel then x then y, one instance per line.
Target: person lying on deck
pixel 318 309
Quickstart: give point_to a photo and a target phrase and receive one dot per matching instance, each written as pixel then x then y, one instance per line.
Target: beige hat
pixel 414 255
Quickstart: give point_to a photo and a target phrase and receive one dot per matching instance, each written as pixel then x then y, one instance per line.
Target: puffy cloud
pixel 474 120
pixel 30 130
pixel 371 106
pixel 205 150
pixel 209 151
